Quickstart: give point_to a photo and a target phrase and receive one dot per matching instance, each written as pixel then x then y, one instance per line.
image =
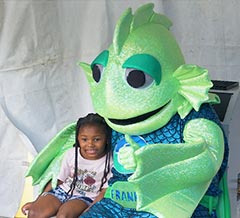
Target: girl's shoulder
pixel 70 152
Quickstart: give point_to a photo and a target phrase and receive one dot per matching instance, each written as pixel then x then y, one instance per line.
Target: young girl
pixel 84 173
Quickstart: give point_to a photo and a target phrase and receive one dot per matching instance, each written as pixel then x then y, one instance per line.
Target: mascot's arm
pixel 201 136
pixel 47 163
pixel 169 170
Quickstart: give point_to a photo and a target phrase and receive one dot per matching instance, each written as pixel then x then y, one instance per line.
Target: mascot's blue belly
pixel 170 133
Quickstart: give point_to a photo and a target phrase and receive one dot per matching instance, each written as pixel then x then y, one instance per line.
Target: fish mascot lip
pixel 170 153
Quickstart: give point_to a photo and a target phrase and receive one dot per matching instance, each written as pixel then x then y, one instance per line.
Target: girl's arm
pixel 98 198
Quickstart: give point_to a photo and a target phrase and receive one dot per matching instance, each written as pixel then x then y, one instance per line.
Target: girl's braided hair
pixel 94 119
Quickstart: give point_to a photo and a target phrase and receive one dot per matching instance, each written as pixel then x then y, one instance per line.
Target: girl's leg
pixel 44 207
pixel 71 209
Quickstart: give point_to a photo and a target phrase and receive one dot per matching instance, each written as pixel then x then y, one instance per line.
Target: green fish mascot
pixel 170 152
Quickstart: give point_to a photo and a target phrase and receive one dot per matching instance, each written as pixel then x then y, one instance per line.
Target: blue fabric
pixel 63 196
pixel 107 208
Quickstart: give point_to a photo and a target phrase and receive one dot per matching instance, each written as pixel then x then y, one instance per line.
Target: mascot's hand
pixel 51 173
pixel 127 154
pixel 46 165
pixel 127 158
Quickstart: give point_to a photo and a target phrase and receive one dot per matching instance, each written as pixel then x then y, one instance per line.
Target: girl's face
pixel 92 140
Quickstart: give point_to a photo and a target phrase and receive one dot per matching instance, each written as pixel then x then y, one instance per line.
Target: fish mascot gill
pixel 169 150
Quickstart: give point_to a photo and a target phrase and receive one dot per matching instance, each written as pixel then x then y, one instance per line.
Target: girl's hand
pixel 26 207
